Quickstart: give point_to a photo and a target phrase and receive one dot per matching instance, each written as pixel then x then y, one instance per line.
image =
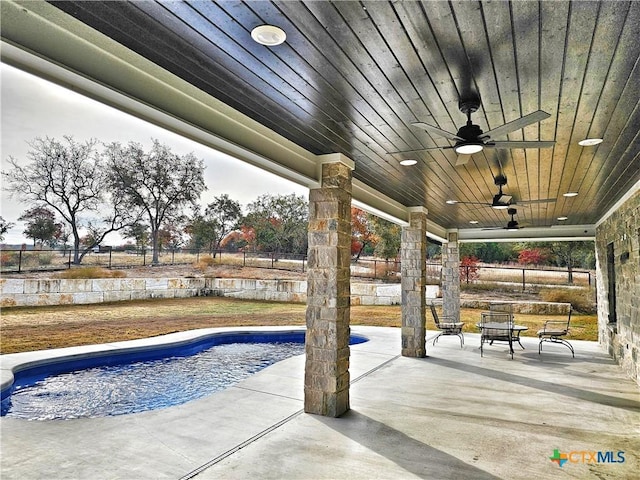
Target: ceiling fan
pixel 471 139
pixel 500 201
pixel 512 225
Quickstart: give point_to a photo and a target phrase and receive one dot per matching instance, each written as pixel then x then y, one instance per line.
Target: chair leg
pixel 461 339
pixel 561 341
pixel 436 338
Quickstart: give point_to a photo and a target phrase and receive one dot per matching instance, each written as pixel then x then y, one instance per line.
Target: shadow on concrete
pixel 410 454
pixel 552 387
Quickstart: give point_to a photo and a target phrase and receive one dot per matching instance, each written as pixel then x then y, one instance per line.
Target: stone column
pixel 326 383
pixel 413 255
pixel 451 276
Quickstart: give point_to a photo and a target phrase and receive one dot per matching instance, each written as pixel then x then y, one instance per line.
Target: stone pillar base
pixel 414 273
pixel 326 384
pixel 451 277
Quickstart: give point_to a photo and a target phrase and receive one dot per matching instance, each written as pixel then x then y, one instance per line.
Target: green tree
pixel 70 178
pixel 573 255
pixel 4 227
pixel 489 252
pixel 389 238
pixel 221 217
pixel 139 232
pixel 41 225
pixel 280 222
pixel 158 184
pixel 580 254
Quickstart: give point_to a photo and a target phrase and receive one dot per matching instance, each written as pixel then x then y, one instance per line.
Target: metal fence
pixel 16 261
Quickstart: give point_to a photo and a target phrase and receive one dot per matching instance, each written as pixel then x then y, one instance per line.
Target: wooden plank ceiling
pixel 352 77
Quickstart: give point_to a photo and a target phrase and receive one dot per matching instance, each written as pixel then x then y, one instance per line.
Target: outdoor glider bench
pixel 553 331
pixel 448 325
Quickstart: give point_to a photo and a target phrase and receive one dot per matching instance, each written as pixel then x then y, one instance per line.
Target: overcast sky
pixel 31 107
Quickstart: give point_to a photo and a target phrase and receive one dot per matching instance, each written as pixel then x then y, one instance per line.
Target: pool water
pixel 143 385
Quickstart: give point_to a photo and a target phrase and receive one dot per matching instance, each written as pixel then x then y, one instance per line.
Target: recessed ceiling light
pixel 590 142
pixel 268 35
pixel 408 162
pixel 473 222
pixel 451 202
pixel 562 219
pixel 570 194
pixel 468 148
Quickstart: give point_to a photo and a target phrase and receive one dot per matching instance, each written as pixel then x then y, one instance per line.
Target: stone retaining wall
pixel 30 292
pixel 532 308
pixel 16 292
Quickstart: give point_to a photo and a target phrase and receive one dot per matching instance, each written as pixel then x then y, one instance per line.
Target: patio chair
pixel 553 331
pixel 502 333
pixel 448 325
pixel 508 309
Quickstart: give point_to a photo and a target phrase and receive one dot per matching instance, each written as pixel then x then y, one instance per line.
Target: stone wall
pixel 622 336
pixel 30 292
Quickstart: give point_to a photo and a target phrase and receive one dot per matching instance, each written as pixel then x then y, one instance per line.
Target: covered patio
pixel 450 416
pixel 341 107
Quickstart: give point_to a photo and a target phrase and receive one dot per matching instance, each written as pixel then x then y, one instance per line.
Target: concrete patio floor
pixel 453 415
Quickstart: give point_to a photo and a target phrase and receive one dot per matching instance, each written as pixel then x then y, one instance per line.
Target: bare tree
pixel 158 183
pixel 69 177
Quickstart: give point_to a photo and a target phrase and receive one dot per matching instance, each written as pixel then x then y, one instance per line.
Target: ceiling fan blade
pixel 419 150
pixel 484 204
pixel 462 160
pixel 541 200
pixel 517 124
pixel 438 131
pixel 516 144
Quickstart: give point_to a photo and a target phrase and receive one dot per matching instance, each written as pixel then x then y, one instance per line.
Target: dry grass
pixel 37 328
pixel 90 272
pixel 582 300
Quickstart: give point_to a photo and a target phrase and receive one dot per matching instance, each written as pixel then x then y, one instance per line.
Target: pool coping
pixel 14 363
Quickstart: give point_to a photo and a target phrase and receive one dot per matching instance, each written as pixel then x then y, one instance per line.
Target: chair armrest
pixel 554 327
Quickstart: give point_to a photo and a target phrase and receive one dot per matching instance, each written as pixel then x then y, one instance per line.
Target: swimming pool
pixel 130 380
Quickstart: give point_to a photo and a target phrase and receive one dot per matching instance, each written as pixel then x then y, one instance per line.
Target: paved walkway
pixel 453 415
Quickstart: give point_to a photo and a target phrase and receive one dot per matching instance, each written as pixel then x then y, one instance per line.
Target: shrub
pixel 387 272
pixel 469 269
pixel 203 263
pixel 90 272
pixel 45 258
pixel 581 299
pixel 9 258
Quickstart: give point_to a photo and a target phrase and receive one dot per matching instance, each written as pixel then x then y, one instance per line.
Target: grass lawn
pixel 39 328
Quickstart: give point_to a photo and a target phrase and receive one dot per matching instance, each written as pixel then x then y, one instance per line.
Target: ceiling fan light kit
pixel 468 148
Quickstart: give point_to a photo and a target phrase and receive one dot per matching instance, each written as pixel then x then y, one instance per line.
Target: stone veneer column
pixel 326 383
pixel 413 257
pixel 451 276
